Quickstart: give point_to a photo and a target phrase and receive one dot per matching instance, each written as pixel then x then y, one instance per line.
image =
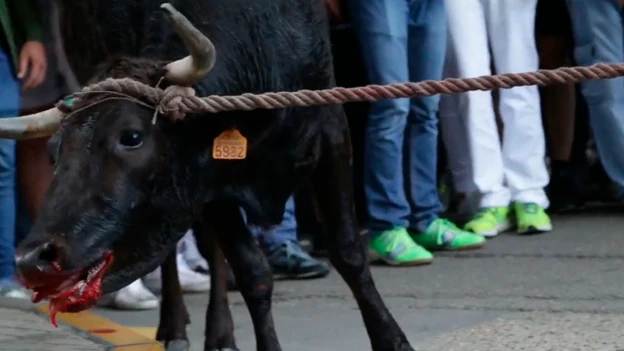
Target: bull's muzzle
pixel 39 264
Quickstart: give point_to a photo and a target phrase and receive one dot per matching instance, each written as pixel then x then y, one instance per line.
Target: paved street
pixel 24 328
pixel 563 291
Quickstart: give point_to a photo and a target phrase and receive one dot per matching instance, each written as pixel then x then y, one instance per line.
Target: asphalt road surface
pixel 561 291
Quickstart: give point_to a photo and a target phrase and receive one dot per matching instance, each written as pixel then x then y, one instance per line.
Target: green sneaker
pixel 395 247
pixel 443 234
pixel 490 221
pixel 532 218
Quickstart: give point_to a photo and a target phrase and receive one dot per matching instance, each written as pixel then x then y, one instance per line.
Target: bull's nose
pixel 34 264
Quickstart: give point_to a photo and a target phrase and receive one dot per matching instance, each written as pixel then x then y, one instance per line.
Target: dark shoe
pixel 564 190
pixel 601 188
pixel 290 261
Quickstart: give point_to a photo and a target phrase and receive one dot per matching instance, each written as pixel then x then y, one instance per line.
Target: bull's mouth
pixel 73 291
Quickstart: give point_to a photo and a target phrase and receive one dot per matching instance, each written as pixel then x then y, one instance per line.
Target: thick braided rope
pixel 178 101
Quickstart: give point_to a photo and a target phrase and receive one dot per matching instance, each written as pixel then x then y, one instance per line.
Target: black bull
pixel 126 189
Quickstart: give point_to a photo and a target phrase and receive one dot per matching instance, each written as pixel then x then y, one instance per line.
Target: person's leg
pixel 511 27
pixel 454 129
pixel 552 23
pixel 597 29
pixel 468 45
pixel 381 28
pixel 555 43
pixel 35 173
pixel 427 35
pixel 23 221
pixel 426 52
pixel 454 132
pixel 9 107
pixel 288 260
pixel 454 125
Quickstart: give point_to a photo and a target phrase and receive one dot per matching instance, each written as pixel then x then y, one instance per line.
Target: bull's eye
pixel 131 139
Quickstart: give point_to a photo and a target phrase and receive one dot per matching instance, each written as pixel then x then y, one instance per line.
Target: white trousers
pixel 515 171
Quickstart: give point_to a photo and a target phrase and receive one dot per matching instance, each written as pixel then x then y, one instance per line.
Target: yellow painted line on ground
pixel 121 337
pixel 148 332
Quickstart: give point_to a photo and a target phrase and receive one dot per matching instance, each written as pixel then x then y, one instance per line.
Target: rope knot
pixel 171 103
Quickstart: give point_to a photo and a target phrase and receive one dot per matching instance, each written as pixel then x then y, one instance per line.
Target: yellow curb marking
pixel 121 337
pixel 148 332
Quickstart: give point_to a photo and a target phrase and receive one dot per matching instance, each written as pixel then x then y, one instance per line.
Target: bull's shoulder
pixel 273 46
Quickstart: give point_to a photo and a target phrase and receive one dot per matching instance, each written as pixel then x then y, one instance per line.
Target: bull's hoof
pixel 177 345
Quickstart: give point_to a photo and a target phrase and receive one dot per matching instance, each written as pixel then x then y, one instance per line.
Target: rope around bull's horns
pixel 177 101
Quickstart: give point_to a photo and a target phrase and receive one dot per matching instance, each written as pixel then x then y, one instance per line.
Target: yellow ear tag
pixel 229 145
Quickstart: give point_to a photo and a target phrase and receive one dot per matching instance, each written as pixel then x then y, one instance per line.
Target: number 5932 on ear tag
pixel 229 145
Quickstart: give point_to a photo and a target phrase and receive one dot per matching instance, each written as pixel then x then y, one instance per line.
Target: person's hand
pixel 334 8
pixel 32 64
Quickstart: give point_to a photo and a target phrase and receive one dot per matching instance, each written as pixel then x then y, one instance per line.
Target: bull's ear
pixel 189 70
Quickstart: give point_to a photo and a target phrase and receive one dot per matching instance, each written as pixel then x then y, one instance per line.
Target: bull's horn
pixel 194 67
pixel 32 126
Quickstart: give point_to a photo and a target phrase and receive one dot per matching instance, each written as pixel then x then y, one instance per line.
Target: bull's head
pixel 101 225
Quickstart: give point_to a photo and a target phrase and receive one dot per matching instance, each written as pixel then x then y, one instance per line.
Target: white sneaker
pixel 192 256
pixel 190 281
pixel 14 291
pixel 132 297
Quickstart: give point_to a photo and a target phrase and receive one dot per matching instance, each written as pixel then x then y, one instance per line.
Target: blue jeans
pixel 401 40
pixel 285 231
pixel 9 107
pixel 597 29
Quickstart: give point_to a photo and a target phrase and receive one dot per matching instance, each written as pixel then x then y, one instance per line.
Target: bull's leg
pixel 251 269
pixel 173 314
pixel 219 328
pixel 332 181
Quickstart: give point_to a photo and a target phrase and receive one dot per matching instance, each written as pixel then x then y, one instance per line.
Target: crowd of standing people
pixel 495 145
pixel 513 156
